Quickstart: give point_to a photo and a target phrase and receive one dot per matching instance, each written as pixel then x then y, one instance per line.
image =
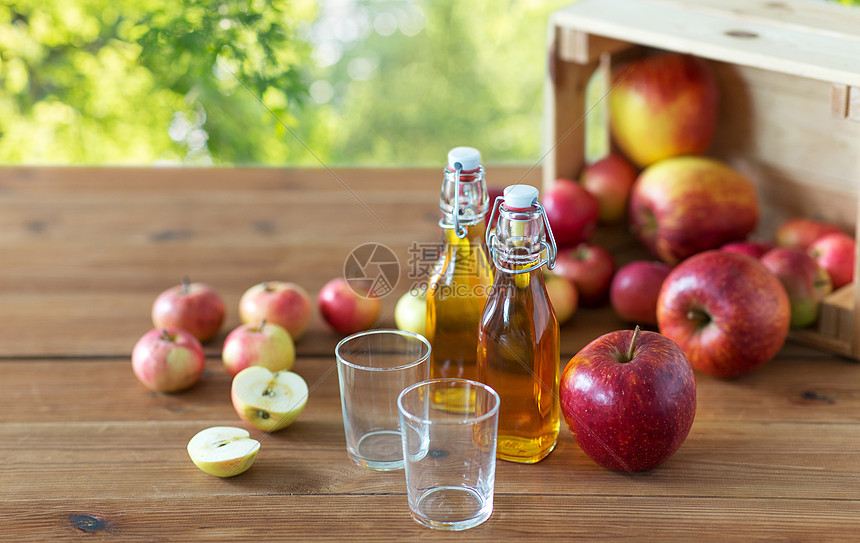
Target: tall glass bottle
pixel 462 275
pixel 518 341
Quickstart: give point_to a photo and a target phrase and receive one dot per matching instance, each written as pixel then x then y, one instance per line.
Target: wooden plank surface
pixel 87 450
pixel 87 250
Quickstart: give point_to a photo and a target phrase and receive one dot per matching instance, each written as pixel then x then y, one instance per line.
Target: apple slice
pixel 223 451
pixel 268 401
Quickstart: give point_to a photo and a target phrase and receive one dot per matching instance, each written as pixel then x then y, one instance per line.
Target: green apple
pixel 410 313
pixel 223 451
pixel 264 344
pixel 268 401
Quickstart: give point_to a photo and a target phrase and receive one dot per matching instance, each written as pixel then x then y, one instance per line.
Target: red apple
pixel 572 212
pixel 835 253
pixel 168 359
pixel 562 295
pixel 194 307
pixel 755 249
pixel 663 106
pixel 801 232
pixel 727 311
pixel 278 302
pixel 263 344
pixel 686 205
pixel 590 268
pixel 345 310
pixel 629 398
pixel 634 290
pixel 805 282
pixel 610 180
pixel 492 194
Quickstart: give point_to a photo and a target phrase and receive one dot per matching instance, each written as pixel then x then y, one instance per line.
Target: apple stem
pixel 262 324
pixel 633 343
pixel 165 335
pixel 186 285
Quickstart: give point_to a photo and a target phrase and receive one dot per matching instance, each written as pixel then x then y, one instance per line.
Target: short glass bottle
pixel 518 337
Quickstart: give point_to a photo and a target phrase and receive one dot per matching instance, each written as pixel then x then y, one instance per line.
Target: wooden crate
pixel 789 77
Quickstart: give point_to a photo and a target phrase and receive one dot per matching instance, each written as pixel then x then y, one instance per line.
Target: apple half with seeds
pixel 268 401
pixel 223 451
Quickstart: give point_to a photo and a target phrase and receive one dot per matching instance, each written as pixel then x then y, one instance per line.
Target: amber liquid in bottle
pixel 457 291
pixel 518 338
pixel 519 358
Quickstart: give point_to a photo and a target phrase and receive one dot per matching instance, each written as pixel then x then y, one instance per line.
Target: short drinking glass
pixel 373 367
pixel 449 451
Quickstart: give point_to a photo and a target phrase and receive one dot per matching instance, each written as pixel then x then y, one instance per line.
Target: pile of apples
pixel 259 354
pixel 723 303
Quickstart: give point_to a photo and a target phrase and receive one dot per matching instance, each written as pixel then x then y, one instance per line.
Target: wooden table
pixel 87 450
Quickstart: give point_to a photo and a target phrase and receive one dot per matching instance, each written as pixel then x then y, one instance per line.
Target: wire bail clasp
pixel 548 245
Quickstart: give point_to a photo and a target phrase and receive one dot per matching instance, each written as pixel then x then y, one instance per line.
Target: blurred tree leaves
pixel 139 81
pixel 474 76
pixel 369 82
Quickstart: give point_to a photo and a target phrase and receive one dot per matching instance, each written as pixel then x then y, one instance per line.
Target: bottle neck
pixel 464 199
pixel 520 240
pixel 475 234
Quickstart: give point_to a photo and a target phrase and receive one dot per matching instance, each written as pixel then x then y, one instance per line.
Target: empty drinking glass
pixel 373 367
pixel 449 451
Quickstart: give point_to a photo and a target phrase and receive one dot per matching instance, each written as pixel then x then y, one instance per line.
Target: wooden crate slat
pixel 720 35
pixel 809 16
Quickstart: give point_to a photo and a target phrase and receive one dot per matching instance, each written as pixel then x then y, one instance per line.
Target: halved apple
pixel 223 451
pixel 268 401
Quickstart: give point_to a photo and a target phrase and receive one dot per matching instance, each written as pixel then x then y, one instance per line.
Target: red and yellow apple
pixel 727 311
pixel 610 180
pixel 194 307
pixel 590 268
pixel 168 359
pixel 805 282
pixel 801 232
pixel 835 253
pixel 346 311
pixel 493 192
pixel 755 249
pixel 629 398
pixel 262 344
pixel 634 290
pixel 572 212
pixel 562 295
pixel 278 302
pixel 663 106
pixel 686 205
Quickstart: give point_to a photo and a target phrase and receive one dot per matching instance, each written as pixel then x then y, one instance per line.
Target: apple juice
pixel 518 337
pixel 462 275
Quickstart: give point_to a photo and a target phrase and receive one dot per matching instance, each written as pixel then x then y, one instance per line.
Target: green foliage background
pixel 151 81
pixel 247 81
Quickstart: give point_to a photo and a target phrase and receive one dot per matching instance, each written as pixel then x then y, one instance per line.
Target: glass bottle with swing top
pixel 518 338
pixel 461 278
